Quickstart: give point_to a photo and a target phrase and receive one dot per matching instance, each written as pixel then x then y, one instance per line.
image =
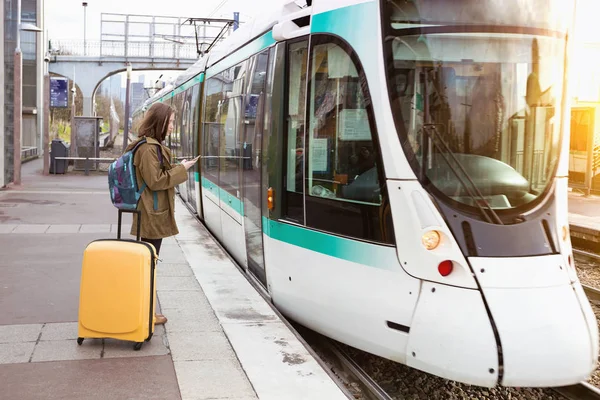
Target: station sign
pixel 59 92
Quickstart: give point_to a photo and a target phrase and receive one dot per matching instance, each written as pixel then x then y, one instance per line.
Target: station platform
pixel 222 339
pixel 584 216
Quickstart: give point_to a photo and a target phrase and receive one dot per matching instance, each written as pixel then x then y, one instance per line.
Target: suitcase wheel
pixel 79 340
pixel 137 346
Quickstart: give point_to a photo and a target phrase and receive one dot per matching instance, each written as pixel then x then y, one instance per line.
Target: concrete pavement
pixel 222 341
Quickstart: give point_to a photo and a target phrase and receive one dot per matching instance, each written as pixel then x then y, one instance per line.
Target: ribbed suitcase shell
pixel 117 292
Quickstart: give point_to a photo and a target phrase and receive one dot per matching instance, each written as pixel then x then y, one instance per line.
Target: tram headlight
pixel 270 199
pixel 431 239
pixel 565 233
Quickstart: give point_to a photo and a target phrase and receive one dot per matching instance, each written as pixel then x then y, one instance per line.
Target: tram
pixel 394 174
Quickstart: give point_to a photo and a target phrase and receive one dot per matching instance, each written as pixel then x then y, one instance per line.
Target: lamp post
pixel 127 105
pixel 18 94
pixel 84 4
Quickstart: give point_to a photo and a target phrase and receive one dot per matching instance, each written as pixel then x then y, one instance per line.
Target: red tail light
pixel 445 268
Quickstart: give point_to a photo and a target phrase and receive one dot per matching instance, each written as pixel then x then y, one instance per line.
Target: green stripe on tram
pixel 223 195
pixel 373 255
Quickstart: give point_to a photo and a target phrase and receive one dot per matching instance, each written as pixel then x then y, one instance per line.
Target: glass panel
pixel 175 137
pixel 477 107
pixel 342 156
pixel 251 164
pixel 193 142
pixel 294 179
pixel 298 53
pixel 229 178
pixel 210 163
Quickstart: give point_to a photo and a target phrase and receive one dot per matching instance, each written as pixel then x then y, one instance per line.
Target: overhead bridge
pixel 159 43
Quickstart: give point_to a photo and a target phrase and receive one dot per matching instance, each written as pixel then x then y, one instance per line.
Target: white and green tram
pixel 394 173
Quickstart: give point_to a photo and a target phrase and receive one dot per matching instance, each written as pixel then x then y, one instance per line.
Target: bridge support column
pixel 88 106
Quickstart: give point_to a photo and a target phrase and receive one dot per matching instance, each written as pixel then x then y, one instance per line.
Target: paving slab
pixel 59 350
pixel 173 269
pixel 65 228
pixel 30 228
pixel 20 333
pixel 212 379
pixel 157 346
pixel 12 353
pixel 177 283
pixel 121 378
pixel 40 277
pixel 59 331
pixel 172 299
pixel 7 228
pixel 197 346
pixel 191 321
pixel 95 228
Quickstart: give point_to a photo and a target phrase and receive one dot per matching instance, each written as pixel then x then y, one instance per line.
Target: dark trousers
pixel 154 242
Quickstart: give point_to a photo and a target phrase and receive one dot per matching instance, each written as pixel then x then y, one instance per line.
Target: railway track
pixel 592 293
pixel 347 366
pixel 583 390
pixel 341 364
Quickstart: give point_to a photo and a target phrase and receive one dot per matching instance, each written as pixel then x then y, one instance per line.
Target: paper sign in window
pixel 354 125
pixel 319 155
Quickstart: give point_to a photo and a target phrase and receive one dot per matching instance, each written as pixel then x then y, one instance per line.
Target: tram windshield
pixel 477 100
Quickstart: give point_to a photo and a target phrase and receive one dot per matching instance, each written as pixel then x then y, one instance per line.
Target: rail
pixel 581 391
pixel 97 160
pixel 344 366
pixel 132 49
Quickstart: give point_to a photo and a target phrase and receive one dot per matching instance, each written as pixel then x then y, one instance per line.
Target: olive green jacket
pixel 159 223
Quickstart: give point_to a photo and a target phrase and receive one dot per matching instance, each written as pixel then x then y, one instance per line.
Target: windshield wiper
pixel 473 191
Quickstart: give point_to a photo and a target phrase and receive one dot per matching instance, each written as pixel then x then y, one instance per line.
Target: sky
pixel 64 19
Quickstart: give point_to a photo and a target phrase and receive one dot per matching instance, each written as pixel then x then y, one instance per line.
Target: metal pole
pixel 46 127
pixel 84 27
pixel 126 35
pixel 18 105
pixel 589 162
pixel 127 105
pixel 73 152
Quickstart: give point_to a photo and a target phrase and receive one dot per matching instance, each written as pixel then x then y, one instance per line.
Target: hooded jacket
pixel 159 223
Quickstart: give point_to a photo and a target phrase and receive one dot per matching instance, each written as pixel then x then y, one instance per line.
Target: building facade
pixel 32 48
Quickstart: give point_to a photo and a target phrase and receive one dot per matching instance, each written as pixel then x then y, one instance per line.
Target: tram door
pixel 251 144
pixel 191 134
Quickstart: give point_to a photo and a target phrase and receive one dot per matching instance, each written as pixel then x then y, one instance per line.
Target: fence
pixel 115 48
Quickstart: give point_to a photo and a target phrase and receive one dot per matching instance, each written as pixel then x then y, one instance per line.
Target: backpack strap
pixel 143 187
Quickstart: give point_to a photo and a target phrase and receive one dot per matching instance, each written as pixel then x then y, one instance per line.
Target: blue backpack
pixel 124 192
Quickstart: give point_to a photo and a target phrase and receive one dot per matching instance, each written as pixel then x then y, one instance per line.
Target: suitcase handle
pixel 139 222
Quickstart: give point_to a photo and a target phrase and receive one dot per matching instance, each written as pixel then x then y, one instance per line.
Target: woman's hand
pixel 189 164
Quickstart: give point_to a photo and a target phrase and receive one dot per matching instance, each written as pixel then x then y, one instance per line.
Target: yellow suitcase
pixel 118 292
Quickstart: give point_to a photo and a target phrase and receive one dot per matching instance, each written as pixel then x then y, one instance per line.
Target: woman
pixel 160 176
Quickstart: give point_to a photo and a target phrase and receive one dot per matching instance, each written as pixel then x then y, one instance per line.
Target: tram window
pixel 344 176
pixel 342 156
pixel 176 135
pixel 210 164
pixel 294 179
pixel 251 134
pixel 230 118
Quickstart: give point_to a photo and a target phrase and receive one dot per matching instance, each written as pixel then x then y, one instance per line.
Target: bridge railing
pixel 118 48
